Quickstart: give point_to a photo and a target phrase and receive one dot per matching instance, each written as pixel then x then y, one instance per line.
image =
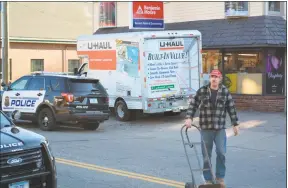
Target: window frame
pixel 69 61
pixel 31 65
pixel 237 16
pixel 274 13
pixel 99 15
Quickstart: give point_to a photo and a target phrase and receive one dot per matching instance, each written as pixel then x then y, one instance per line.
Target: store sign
pixel 146 15
pixel 236 8
pixel 107 14
pixel 275 71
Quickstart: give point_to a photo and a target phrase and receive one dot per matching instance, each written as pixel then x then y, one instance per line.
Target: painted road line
pixel 122 173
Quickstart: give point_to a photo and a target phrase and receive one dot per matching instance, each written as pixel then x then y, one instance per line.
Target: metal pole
pixel 5 41
pixel 285 80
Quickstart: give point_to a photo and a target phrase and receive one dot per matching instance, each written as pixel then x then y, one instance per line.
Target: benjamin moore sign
pixel 146 15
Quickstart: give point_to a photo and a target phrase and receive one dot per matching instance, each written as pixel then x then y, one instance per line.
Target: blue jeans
pixel 219 138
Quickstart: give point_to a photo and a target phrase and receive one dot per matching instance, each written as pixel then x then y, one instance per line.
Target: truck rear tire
pixel 121 111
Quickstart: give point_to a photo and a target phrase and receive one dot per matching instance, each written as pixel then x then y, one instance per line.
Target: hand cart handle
pixel 188 128
pixel 191 145
pixel 186 132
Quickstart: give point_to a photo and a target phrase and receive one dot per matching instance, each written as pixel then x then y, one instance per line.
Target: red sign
pixel 148 10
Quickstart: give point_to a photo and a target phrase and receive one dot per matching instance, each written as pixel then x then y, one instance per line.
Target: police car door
pixel 25 95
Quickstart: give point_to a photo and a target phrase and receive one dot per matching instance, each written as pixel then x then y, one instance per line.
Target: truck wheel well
pixel 119 99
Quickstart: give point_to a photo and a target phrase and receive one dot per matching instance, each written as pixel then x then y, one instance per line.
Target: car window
pixel 36 84
pixel 85 85
pixel 4 121
pixel 57 84
pixel 20 84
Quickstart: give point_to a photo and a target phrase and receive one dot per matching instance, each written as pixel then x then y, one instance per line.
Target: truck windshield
pixel 4 121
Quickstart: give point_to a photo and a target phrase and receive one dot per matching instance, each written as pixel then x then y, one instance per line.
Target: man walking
pixel 213 100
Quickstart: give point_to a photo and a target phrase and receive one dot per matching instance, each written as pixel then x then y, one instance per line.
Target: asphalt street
pixel 148 152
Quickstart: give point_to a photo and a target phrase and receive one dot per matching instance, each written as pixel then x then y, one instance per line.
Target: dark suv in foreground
pixel 26 160
pixel 49 98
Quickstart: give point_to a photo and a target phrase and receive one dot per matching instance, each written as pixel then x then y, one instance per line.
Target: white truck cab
pixel 153 71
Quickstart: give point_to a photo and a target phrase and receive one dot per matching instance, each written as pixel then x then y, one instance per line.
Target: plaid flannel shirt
pixel 210 118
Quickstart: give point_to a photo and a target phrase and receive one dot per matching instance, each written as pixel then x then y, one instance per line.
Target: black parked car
pixel 26 158
pixel 49 98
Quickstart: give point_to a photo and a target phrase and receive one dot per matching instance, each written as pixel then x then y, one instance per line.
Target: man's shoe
pixel 208 182
pixel 221 182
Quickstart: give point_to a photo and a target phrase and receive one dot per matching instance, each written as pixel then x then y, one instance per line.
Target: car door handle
pixel 39 94
pixel 17 94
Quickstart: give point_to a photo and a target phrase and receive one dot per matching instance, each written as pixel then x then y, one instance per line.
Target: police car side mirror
pixel 3 84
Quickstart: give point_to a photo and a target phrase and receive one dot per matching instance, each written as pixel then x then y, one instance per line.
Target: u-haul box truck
pixel 153 71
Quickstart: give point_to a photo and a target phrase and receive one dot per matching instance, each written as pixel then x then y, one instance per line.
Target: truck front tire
pixel 121 111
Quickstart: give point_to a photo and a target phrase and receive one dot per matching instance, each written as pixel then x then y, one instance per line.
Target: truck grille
pixel 31 161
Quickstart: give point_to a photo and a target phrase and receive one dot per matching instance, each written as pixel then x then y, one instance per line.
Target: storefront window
pixel 244 71
pixel 275 70
pixel 211 59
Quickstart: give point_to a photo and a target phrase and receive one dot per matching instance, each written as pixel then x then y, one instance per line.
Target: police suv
pixel 26 158
pixel 48 98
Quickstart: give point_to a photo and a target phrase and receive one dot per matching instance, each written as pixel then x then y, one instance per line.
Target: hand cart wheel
pixel 191 145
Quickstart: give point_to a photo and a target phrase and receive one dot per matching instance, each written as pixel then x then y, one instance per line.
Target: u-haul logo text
pixel 96 45
pixel 171 45
pixel 99 45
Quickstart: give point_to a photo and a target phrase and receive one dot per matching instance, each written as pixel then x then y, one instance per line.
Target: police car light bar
pixel 51 73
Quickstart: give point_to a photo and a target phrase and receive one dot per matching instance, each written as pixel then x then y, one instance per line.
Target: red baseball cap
pixel 216 72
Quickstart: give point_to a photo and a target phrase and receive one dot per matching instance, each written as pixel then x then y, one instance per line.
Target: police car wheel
pixel 46 120
pixel 91 126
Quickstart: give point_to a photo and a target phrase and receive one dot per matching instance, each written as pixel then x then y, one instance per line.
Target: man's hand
pixel 236 130
pixel 188 122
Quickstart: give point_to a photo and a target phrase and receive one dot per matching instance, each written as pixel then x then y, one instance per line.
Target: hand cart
pixel 192 145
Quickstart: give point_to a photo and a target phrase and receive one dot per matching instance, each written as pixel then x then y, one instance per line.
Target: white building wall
pixel 182 11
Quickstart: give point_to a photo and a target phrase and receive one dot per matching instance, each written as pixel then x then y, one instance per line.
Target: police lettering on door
pixel 23 102
pixel 20 103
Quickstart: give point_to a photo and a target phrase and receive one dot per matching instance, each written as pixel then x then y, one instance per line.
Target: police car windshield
pixel 4 122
